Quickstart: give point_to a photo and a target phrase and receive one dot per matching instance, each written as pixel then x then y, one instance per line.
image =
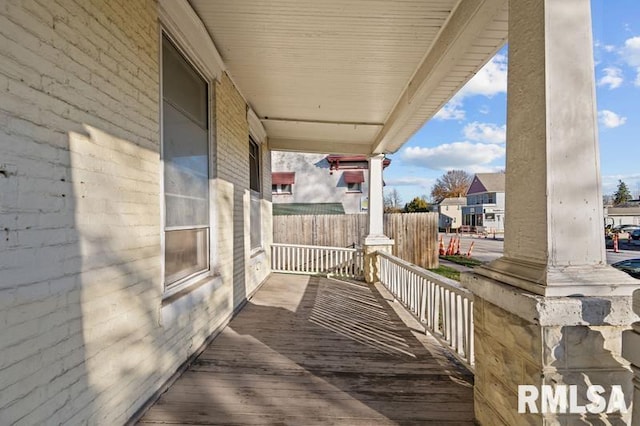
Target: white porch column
pixel 375 240
pixel 528 332
pixel 554 243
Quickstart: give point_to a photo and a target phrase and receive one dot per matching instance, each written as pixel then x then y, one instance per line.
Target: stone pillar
pixel 375 240
pixel 631 351
pixel 550 312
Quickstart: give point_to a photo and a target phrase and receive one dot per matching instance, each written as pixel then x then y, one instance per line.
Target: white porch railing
pixel 441 304
pixel 314 260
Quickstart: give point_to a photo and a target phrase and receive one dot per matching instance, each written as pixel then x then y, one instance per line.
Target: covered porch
pixel 317 350
pixel 95 325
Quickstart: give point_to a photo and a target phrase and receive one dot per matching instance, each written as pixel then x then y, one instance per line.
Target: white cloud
pixel 610 183
pixel 612 78
pixel 485 132
pixel 451 111
pixel 609 48
pixel 630 52
pixel 456 155
pixel 410 181
pixel 610 119
pixel 490 80
pixel 484 169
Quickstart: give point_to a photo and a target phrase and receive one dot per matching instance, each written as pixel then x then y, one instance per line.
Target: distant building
pixel 450 210
pixel 319 184
pixel 485 203
pixel 627 215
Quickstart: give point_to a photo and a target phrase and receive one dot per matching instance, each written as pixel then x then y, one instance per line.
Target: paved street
pixel 488 249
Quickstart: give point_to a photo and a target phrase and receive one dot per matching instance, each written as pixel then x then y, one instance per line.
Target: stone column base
pixel 527 339
pixel 631 351
pixel 371 262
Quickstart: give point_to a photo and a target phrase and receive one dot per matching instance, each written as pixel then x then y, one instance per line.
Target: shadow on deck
pixel 311 350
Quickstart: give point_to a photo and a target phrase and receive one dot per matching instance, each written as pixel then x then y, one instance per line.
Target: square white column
pixel 375 240
pixel 376 235
pixel 554 226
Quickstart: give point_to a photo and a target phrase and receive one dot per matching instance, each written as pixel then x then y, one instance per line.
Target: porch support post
pixel 375 240
pixel 550 312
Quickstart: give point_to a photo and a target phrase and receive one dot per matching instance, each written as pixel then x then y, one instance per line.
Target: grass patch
pixel 469 262
pixel 448 272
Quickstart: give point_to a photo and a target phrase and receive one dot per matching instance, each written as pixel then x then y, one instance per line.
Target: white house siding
pixel 84 336
pixel 314 183
pixel 497 210
pixel 450 210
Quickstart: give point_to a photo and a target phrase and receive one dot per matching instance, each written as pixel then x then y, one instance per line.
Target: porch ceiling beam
pixel 318 146
pixel 456 37
pixel 300 120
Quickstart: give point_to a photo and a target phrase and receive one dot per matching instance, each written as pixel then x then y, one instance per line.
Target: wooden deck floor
pixel 310 350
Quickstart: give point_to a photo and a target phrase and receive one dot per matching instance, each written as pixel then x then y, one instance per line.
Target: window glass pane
pixel 185 253
pixel 256 222
pixel 254 166
pixel 182 86
pixel 186 170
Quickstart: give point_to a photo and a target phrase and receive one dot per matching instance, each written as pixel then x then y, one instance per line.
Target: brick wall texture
pixel 82 335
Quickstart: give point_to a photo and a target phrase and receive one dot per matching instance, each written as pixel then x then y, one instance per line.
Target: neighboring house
pixel 319 183
pixel 450 210
pixel 485 203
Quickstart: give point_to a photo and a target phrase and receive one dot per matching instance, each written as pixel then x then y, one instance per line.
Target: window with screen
pixel 185 154
pixel 256 194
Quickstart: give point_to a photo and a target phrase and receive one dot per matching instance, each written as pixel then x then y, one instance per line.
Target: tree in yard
pixel 454 183
pixel 418 204
pixel 622 195
pixel 392 201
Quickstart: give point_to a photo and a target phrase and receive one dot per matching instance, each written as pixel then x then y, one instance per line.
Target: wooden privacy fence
pixel 415 234
pixel 320 230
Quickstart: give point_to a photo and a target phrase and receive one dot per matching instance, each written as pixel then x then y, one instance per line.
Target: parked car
pixel 635 234
pixel 630 266
pixel 624 231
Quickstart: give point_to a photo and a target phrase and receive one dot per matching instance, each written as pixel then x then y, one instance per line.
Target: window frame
pixel 169 290
pixel 279 189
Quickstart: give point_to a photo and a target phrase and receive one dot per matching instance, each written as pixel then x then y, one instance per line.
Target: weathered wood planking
pixel 415 234
pixel 311 350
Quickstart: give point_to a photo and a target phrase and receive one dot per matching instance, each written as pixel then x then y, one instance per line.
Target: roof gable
pixel 486 182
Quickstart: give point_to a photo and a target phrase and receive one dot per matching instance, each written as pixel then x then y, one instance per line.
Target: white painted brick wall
pixel 81 336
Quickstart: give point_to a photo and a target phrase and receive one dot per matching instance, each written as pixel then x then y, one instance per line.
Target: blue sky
pixel 469 132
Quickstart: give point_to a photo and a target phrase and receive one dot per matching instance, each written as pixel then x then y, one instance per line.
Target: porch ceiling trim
pixel 463 28
pixel 318 146
pixel 186 27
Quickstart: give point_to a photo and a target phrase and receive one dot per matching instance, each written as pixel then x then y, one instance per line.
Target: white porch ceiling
pixel 351 76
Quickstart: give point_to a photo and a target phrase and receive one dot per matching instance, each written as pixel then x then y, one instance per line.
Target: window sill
pixel 255 252
pixel 185 299
pixel 354 192
pixel 187 287
pixel 282 193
